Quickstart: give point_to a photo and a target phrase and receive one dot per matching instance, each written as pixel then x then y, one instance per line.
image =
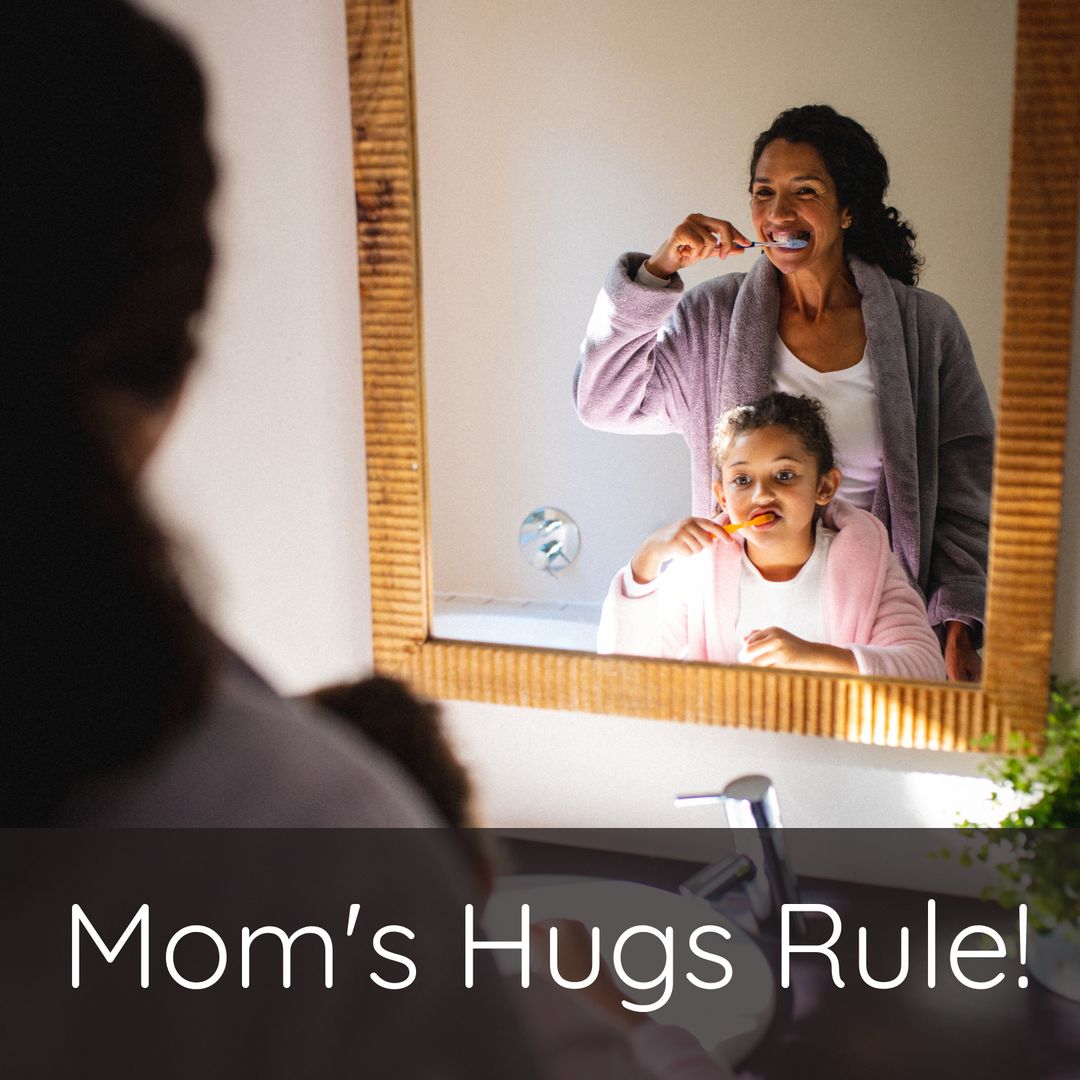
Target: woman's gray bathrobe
pixel 659 360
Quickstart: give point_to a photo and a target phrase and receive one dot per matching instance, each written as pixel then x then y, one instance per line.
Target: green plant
pixel 1035 846
pixel 1048 781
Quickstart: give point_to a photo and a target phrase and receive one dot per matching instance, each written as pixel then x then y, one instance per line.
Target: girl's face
pixel 770 471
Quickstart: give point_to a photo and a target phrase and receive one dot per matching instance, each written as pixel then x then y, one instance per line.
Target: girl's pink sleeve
pixel 649 624
pixel 902 644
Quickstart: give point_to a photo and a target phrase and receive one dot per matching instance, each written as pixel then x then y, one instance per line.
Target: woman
pixel 113 673
pixel 119 706
pixel 835 315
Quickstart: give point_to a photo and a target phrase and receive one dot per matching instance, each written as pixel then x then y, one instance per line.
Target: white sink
pixel 729 1021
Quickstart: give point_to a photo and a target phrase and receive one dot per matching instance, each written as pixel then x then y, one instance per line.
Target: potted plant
pixel 1035 841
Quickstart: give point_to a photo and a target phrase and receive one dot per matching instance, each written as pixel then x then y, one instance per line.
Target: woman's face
pixel 769 470
pixel 792 195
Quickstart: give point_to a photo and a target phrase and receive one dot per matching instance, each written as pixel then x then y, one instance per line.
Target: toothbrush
pixel 794 243
pixel 761 519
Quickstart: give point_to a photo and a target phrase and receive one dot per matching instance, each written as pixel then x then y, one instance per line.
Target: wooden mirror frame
pixel 1036 344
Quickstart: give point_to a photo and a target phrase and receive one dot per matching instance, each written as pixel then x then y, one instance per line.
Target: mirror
pixel 551 138
pixel 1040 253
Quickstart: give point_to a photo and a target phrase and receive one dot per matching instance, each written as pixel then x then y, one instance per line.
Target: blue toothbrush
pixel 793 243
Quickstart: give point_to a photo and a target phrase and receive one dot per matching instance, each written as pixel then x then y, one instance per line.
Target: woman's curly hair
pixel 802 416
pixel 877 235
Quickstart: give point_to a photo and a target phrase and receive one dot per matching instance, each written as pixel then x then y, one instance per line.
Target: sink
pixel 728 1022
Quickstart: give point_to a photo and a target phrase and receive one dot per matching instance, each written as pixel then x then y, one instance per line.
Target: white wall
pixel 264 473
pixel 265 470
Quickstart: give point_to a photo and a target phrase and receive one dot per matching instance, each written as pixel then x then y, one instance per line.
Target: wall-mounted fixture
pixel 549 539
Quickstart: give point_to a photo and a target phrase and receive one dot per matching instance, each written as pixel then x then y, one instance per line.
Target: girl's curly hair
pixel 802 416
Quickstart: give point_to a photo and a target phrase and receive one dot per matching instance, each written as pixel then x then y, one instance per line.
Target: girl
pixel 586 1033
pixel 806 581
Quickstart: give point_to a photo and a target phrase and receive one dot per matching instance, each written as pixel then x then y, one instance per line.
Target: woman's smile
pixel 781 235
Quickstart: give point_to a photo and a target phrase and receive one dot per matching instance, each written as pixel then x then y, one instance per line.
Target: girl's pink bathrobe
pixel 869 606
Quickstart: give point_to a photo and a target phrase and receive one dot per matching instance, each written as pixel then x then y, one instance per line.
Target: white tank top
pixel 850 401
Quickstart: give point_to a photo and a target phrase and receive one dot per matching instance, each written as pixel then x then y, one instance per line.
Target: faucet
pixel 761 865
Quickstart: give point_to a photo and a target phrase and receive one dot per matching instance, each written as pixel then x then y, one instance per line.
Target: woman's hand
pixel 698 237
pixel 773 647
pixel 962 662
pixel 686 537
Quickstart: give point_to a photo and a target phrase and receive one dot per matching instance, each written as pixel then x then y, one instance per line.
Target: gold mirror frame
pixel 1036 343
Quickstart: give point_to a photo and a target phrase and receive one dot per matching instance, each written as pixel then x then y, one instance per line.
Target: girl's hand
pixel 686 537
pixel 694 240
pixel 773 647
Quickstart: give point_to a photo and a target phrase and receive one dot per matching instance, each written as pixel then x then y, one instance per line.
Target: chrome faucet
pixel 761 866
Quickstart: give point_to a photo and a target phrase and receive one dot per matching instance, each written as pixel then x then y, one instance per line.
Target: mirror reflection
pixel 549 143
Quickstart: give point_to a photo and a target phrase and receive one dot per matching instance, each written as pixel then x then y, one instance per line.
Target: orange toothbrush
pixel 761 519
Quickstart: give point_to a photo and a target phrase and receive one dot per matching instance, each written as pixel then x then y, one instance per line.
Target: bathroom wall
pixel 267 457
pixel 264 476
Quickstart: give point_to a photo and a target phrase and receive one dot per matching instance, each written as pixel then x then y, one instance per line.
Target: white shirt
pixel 795 606
pixel 850 400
